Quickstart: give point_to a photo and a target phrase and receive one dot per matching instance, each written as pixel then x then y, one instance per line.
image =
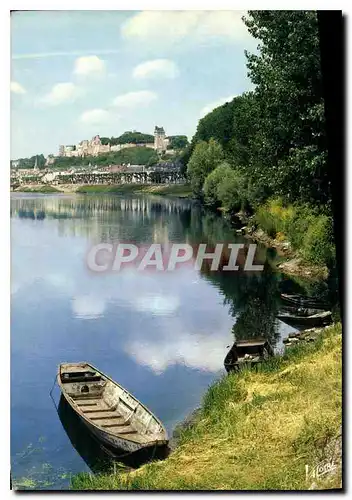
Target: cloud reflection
pixel 87 307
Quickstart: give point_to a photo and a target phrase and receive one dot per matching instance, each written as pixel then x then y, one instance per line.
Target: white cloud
pixel 94 116
pixel 89 65
pixel 159 68
pixel 133 99
pixel 60 93
pixel 209 107
pixel 174 26
pixel 17 88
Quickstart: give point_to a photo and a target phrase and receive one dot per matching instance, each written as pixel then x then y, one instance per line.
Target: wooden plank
pixel 128 430
pixel 86 404
pixel 105 417
pixel 97 410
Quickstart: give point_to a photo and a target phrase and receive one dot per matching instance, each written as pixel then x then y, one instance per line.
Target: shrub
pixel 205 158
pixel 229 193
pixel 318 246
pixel 213 181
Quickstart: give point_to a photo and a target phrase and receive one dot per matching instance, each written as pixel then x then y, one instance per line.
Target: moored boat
pixel 247 352
pixel 302 301
pixel 311 320
pixel 108 410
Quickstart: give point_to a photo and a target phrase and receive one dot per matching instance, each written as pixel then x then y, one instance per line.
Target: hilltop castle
pixel 94 147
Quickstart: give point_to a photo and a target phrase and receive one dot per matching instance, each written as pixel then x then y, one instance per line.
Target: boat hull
pixel 109 412
pixel 305 321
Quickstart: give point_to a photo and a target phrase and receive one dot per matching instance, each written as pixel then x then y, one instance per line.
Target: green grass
pixel 255 431
pixel 39 189
pixel 180 190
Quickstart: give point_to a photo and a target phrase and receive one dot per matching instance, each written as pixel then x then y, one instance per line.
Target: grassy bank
pixel 179 190
pixel 38 189
pixel 309 232
pixel 255 430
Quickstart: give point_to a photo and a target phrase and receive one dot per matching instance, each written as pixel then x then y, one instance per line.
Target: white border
pixel 5 7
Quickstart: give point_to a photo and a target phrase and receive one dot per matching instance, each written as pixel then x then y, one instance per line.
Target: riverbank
pixel 256 430
pixel 40 188
pixel 179 190
pixel 302 238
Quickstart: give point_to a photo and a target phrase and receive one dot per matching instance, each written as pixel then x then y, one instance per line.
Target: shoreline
pixel 179 190
pixel 293 265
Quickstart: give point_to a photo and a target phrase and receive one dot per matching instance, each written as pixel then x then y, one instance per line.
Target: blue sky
pixel 76 74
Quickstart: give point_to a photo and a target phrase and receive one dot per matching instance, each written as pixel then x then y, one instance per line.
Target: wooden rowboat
pixel 247 352
pixel 108 410
pixel 319 319
pixel 302 301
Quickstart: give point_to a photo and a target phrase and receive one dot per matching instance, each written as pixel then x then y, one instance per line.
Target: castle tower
pixel 159 139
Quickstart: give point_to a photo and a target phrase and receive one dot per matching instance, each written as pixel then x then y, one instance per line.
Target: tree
pixel 212 182
pixel 178 142
pixel 205 157
pixel 290 147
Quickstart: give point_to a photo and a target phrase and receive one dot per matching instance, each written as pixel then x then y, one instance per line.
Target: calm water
pixel 163 336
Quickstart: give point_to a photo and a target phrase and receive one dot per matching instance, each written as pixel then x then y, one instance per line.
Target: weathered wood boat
pixel 247 352
pixel 310 320
pixel 302 301
pixel 108 410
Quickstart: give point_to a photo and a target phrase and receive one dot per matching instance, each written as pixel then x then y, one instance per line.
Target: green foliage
pixel 309 232
pixel 136 156
pixel 128 137
pixel 212 183
pixel 178 142
pixel 218 124
pixel 291 141
pixel 318 244
pixel 30 162
pixel 228 192
pixel 205 158
pixel 153 160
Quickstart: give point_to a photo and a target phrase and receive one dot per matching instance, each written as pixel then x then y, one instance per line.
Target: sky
pixel 76 74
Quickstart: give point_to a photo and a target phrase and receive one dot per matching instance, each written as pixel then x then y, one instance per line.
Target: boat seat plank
pixel 83 405
pixel 98 410
pixel 80 397
pixel 106 417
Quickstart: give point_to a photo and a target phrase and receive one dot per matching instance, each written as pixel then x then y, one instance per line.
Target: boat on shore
pixel 247 352
pixel 111 413
pixel 302 301
pixel 306 319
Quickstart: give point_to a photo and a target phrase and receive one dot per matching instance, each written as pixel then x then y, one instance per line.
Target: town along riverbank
pixel 265 430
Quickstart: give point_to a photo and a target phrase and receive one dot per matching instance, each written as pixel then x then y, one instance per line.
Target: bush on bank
pixel 310 233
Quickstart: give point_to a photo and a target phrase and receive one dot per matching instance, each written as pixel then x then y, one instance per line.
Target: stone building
pixel 160 140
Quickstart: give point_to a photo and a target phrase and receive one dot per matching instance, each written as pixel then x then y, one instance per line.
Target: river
pixel 162 335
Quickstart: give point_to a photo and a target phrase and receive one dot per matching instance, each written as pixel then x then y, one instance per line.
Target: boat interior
pixel 108 405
